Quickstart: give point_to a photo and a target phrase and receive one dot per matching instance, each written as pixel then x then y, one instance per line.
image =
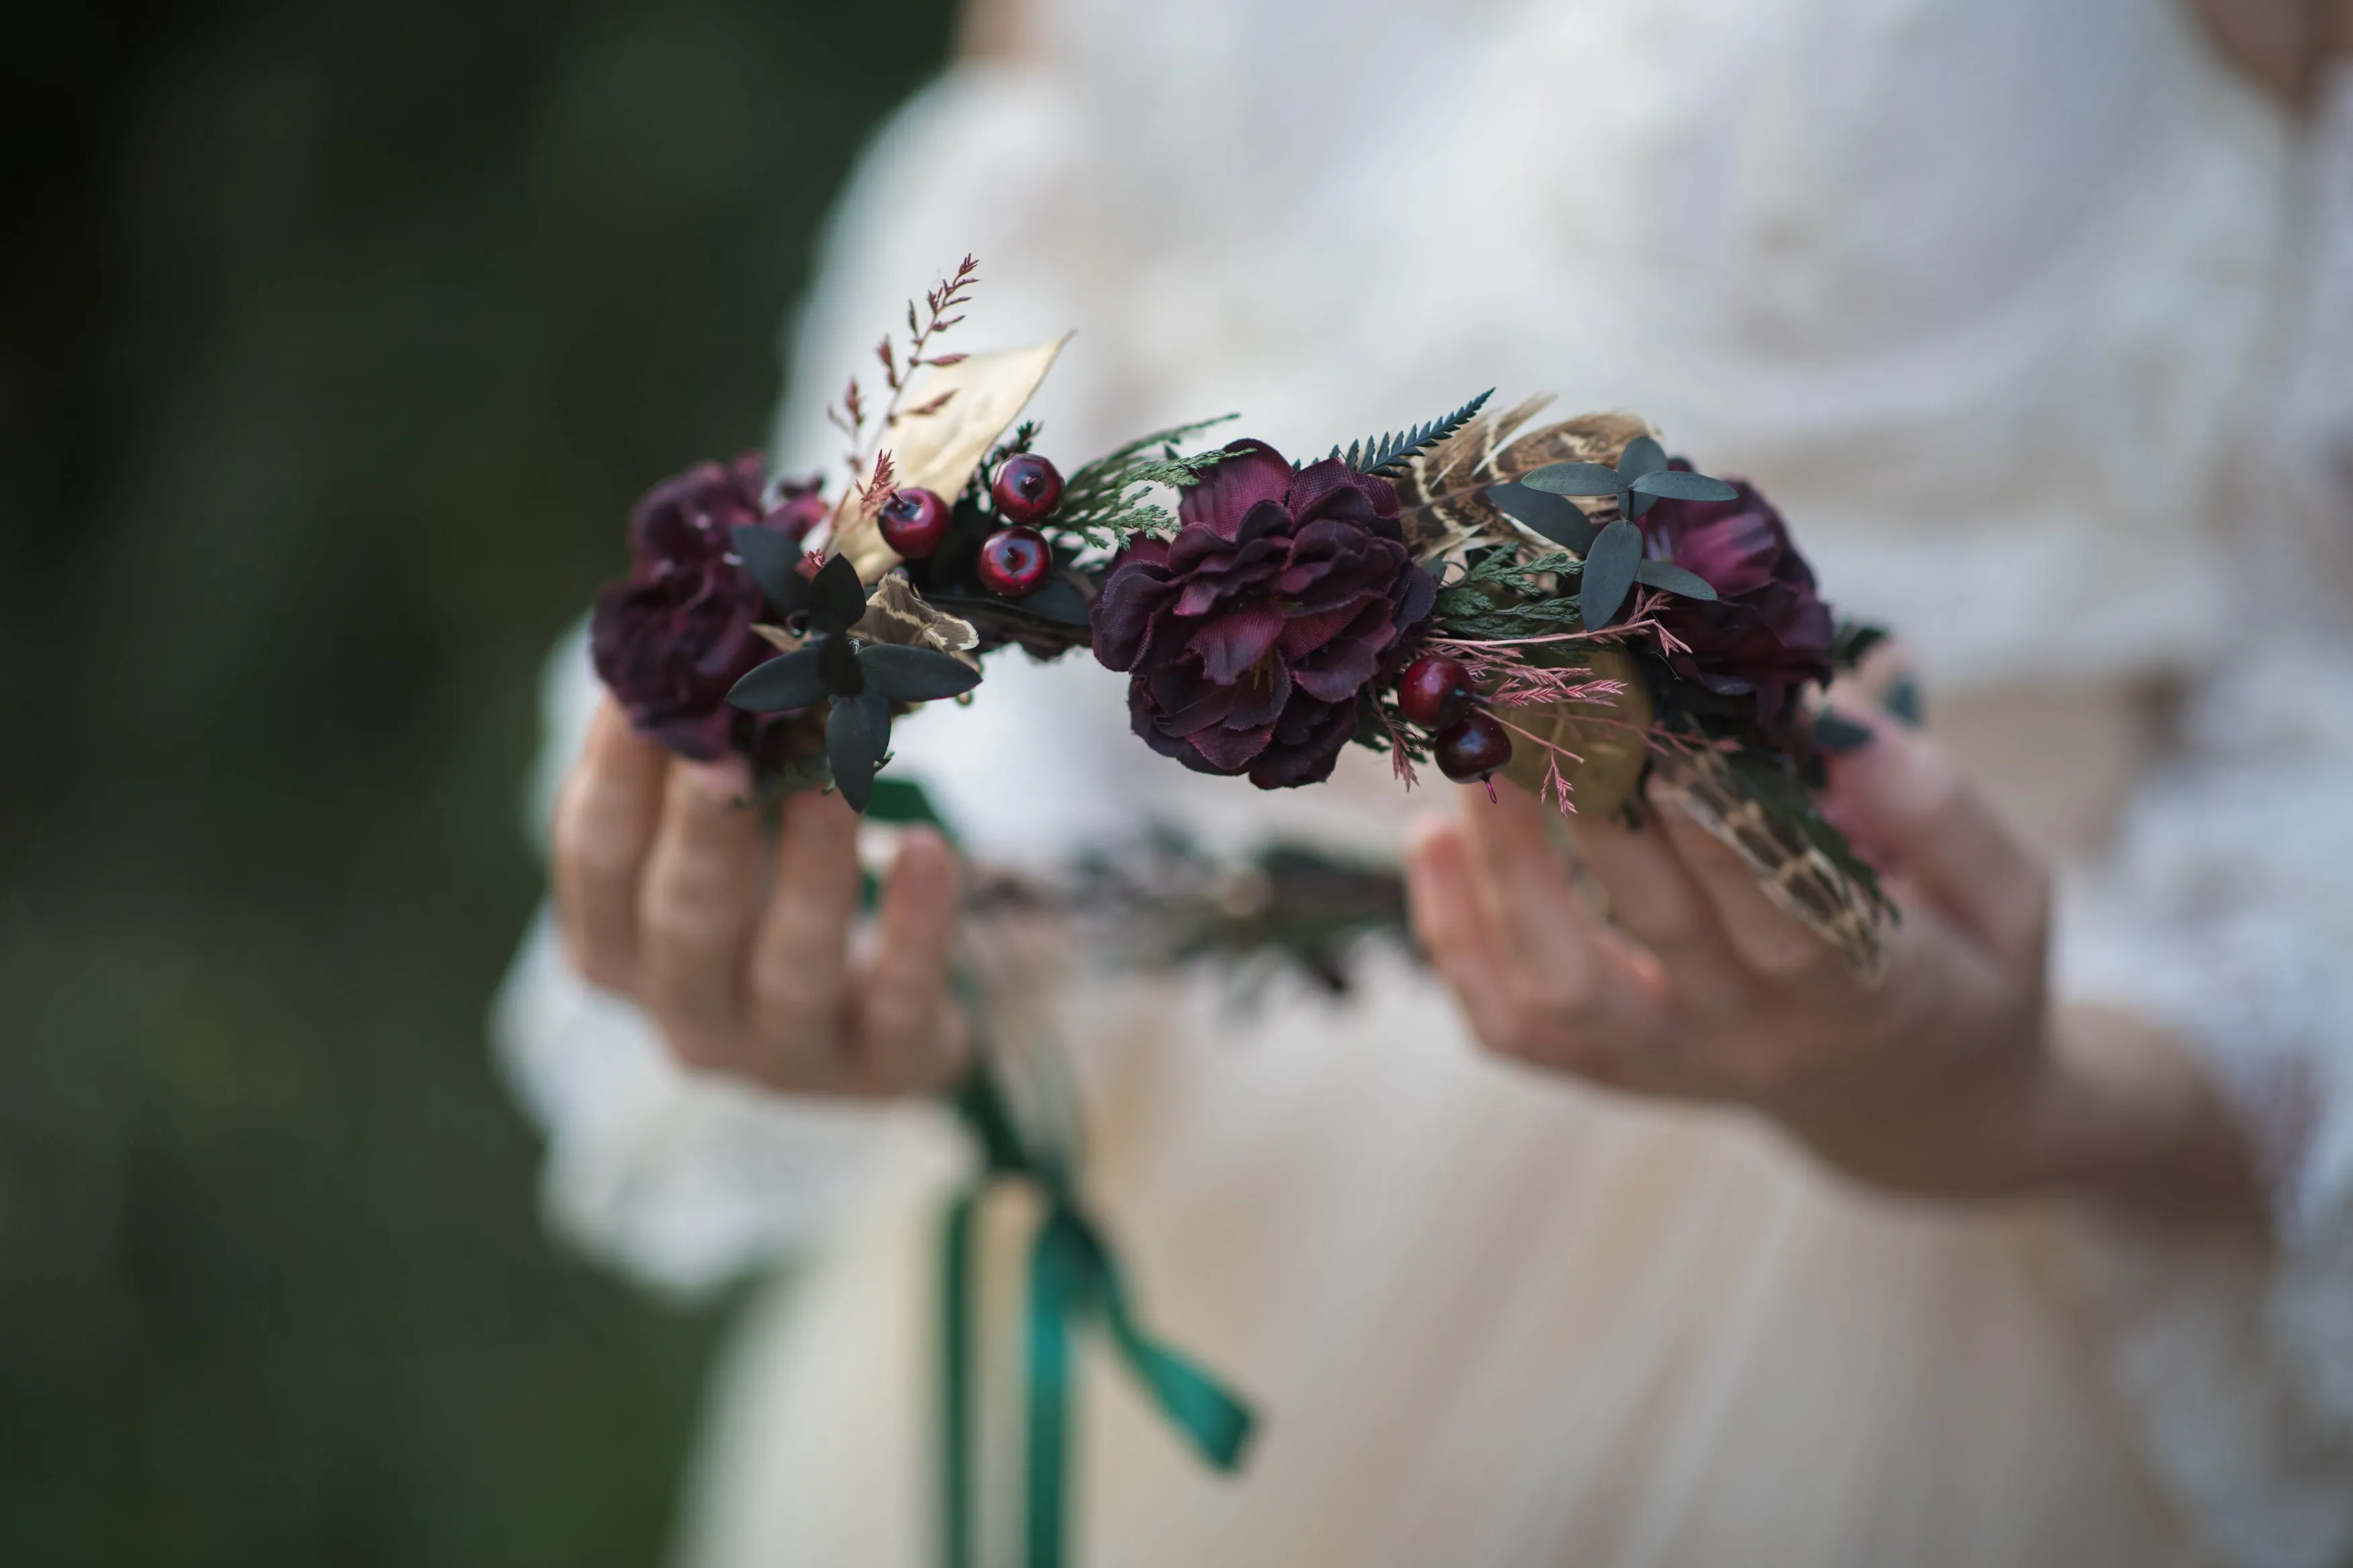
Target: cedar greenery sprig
pixel 1502 596
pixel 1105 501
pixel 1386 456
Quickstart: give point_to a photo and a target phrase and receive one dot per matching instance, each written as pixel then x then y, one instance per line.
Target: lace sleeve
pixel 2228 913
pixel 683 1180
pixel 2225 915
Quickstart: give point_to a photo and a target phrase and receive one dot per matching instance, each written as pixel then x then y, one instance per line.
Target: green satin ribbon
pixel 1073 1277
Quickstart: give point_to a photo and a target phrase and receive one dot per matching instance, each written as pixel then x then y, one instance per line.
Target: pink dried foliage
pixel 877 491
pixel 850 417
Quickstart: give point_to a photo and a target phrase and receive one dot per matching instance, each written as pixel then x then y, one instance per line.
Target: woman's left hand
pixel 1954 1076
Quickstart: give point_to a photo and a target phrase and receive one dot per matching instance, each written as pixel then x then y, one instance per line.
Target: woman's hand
pixel 667 892
pixel 1955 1076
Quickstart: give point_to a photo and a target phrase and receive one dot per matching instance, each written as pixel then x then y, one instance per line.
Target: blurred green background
pixel 335 340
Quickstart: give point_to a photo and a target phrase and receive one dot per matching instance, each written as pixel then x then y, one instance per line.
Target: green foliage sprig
pixel 1502 596
pixel 1110 498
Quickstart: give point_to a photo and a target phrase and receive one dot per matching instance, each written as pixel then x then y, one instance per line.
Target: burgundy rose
pixel 1249 635
pixel 1767 633
pixel 673 636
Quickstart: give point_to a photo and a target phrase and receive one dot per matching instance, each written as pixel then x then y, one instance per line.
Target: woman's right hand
pixel 667 892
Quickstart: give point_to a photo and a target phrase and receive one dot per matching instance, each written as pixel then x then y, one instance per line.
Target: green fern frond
pixel 1386 455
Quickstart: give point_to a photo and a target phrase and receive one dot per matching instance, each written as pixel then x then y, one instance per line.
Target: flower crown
pixel 1564 604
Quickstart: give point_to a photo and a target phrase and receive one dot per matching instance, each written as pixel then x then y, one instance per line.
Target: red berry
pixel 1436 692
pixel 1473 749
pixel 1027 488
pixel 914 523
pixel 1014 561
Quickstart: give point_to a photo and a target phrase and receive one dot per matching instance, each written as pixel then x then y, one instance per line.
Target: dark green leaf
pixel 1056 599
pixel 788 681
pixel 774 562
pixel 1673 484
pixel 1642 456
pixel 857 734
pixel 1574 480
pixel 1610 568
pixel 1902 700
pixel 1636 502
pixel 1852 641
pixel 915 674
pixel 1555 516
pixel 836 599
pixel 1840 735
pixel 837 665
pixel 1674 579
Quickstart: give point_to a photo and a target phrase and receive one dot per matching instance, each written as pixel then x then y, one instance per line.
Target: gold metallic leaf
pixel 951 419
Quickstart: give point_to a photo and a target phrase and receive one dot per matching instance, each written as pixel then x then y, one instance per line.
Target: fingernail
pixel 726 781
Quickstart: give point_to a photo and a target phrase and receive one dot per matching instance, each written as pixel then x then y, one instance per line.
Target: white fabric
pixel 2018 310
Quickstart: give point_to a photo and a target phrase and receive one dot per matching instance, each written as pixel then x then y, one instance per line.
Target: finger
pixel 1768 942
pixel 905 1041
pixel 1450 925
pixel 1905 796
pixel 604 821
pixel 701 882
pixel 798 984
pixel 1568 983
pixel 1655 899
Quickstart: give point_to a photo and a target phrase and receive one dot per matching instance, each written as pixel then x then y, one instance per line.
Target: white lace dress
pixel 2023 310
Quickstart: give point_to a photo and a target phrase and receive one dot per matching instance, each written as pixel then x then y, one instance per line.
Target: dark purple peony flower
pixel 673 636
pixel 1767 633
pixel 1249 635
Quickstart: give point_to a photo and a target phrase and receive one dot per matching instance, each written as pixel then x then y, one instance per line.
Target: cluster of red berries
pixel 1014 559
pixel 1437 693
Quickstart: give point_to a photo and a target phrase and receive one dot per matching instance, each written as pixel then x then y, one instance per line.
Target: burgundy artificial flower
pixel 673 636
pixel 1249 635
pixel 1767 632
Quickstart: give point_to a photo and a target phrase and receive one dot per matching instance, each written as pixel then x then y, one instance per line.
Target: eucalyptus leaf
pixel 837 665
pixel 1610 568
pixel 1674 579
pixel 1574 480
pixel 774 562
pixel 915 674
pixel 1674 484
pixel 1642 456
pixel 1637 502
pixel 836 599
pixel 786 681
pixel 857 734
pixel 1555 516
